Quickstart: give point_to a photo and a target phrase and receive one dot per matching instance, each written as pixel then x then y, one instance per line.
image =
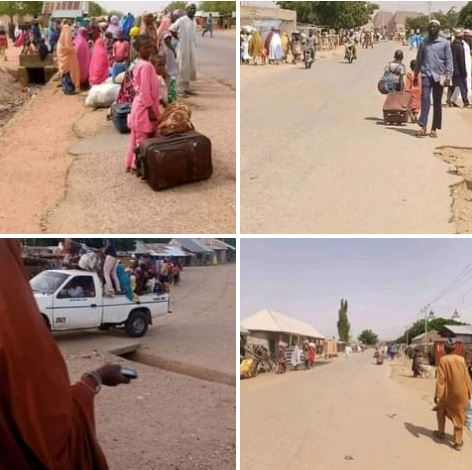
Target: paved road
pixel 200 332
pixel 345 415
pixel 217 57
pixel 316 159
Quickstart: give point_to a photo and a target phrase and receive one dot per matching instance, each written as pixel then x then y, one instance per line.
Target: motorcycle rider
pixel 350 42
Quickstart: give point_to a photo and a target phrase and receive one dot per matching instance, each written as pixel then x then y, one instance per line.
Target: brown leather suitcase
pixel 169 161
pixel 396 107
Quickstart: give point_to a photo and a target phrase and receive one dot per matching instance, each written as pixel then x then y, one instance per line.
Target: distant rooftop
pixel 50 7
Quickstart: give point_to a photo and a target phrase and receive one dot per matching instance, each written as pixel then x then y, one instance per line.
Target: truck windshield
pixel 47 282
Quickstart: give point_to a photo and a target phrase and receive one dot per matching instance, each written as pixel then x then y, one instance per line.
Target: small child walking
pixel 3 44
pixel 145 112
pixel 414 91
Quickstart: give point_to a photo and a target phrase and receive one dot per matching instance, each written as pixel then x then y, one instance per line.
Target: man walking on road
pixel 208 26
pixel 434 62
pixel 453 392
pixel 459 77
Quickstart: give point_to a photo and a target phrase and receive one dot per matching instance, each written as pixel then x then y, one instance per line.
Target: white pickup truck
pixel 74 300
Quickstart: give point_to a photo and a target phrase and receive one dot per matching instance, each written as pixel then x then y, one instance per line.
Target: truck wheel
pixel 136 325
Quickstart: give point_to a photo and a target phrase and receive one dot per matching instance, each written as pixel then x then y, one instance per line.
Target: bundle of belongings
pixel 178 155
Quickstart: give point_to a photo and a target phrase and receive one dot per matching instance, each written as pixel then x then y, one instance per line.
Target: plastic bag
pixel 102 96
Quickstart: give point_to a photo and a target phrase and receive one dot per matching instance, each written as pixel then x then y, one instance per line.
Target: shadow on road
pixel 402 130
pixel 419 431
pixel 378 121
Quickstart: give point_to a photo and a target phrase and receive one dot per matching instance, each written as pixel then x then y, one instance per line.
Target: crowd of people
pixel 277 47
pixel 133 278
pixel 152 63
pixel 440 64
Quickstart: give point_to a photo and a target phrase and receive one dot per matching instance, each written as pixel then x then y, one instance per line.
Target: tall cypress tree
pixel 343 324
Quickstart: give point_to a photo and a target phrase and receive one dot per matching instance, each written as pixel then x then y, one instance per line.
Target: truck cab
pixel 75 300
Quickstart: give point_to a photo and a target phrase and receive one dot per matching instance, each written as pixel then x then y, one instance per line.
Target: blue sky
pixel 386 281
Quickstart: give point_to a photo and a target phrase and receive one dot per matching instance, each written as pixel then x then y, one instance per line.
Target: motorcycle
pixel 350 53
pixel 307 58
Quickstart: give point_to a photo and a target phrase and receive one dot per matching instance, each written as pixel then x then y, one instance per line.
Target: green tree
pixel 12 9
pixel 465 16
pixel 368 337
pixel 96 10
pixel 333 14
pixel 448 20
pixel 344 14
pixel 224 8
pixel 418 328
pixel 305 10
pixel 176 5
pixel 343 324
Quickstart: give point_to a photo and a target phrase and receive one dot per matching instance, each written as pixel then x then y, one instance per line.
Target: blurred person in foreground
pixel 453 392
pixel 45 423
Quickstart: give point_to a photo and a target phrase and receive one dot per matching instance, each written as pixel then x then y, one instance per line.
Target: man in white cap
pixel 184 29
pixel 434 62
pixel 468 60
pixel 459 77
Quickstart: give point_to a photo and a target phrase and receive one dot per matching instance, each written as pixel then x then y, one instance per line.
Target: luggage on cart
pixel 396 107
pixel 175 160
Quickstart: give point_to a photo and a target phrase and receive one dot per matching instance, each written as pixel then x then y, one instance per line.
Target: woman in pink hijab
pixel 83 55
pixel 99 64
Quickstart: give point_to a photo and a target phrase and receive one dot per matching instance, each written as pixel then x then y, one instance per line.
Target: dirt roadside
pixel 166 420
pixel 162 421
pixel 63 171
pixel 459 160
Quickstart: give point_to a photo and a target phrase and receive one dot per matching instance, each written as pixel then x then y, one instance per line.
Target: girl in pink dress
pixel 145 113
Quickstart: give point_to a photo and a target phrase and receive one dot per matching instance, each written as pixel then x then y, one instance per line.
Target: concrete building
pixel 267 327
pixel 265 18
pixel 381 21
pixel 461 333
pixel 163 251
pixel 225 253
pixel 397 23
pixel 429 337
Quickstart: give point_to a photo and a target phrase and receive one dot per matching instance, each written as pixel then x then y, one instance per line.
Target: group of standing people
pixel 306 354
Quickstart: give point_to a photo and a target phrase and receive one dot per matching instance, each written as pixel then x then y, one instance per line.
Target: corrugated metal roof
pixel 216 244
pixel 67 14
pixel 269 320
pixel 193 245
pixel 50 7
pixel 459 329
pixel 159 249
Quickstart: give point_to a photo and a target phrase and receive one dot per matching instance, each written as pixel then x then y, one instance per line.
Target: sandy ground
pixel 53 182
pixel 164 420
pixel 459 160
pixel 333 166
pixel 118 202
pixel 347 414
pixel 200 331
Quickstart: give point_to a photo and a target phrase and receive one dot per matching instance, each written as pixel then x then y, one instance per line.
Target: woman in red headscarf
pixel 45 423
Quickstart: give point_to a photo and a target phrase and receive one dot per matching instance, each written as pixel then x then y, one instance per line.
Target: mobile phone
pixel 128 372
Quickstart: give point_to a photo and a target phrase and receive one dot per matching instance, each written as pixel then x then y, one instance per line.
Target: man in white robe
pixel 184 29
pixel 467 42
